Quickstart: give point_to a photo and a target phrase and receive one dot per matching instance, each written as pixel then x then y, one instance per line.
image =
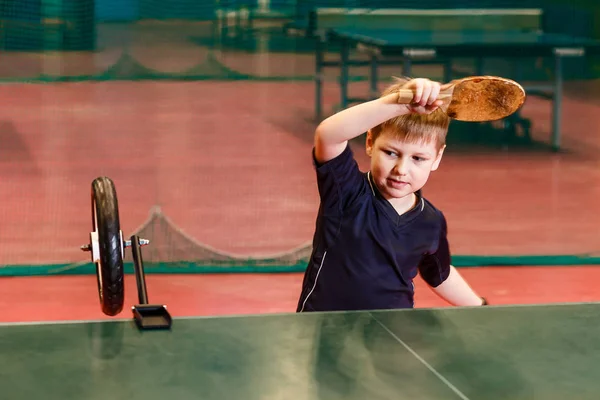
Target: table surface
pixel 522 352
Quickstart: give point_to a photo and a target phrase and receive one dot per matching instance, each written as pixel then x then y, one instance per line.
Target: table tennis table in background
pixel 548 352
pixel 410 37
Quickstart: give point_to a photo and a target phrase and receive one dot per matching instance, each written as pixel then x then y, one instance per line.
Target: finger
pixel 435 92
pixel 432 108
pixel 420 110
pixel 426 93
pixel 418 92
pixel 436 104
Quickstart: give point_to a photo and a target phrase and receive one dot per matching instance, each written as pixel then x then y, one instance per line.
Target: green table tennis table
pixel 548 352
pixel 408 37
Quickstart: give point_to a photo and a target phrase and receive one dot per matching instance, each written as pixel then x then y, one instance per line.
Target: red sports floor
pixel 229 163
pixel 74 297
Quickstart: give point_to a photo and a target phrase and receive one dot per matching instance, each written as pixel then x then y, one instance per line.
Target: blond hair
pixel 414 128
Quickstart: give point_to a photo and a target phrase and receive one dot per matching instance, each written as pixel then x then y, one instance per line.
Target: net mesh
pixel 202 113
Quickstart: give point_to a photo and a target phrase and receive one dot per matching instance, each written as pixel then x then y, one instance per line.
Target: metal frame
pixel 387 54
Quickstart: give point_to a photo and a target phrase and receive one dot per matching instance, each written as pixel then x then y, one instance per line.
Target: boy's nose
pixel 401 167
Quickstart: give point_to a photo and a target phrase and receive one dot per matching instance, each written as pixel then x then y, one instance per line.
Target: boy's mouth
pixel 397 183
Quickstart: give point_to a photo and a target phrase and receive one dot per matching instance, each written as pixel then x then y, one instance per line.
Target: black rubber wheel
pixel 109 267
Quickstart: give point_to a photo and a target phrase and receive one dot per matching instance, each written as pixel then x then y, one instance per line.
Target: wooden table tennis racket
pixel 477 98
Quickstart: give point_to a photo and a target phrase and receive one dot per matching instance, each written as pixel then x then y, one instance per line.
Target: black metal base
pixel 148 316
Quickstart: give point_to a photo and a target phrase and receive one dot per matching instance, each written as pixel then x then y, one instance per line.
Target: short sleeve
pixel 435 267
pixel 339 181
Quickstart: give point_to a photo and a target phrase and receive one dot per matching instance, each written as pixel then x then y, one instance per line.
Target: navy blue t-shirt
pixel 365 255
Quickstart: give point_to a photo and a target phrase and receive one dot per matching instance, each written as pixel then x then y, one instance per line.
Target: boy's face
pixel 400 168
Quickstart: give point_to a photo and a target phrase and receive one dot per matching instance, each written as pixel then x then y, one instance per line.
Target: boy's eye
pixel 389 152
pixel 420 158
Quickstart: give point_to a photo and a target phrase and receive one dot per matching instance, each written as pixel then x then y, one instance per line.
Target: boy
pixel 374 230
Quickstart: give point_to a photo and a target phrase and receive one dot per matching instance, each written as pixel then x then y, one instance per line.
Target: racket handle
pixel 405 96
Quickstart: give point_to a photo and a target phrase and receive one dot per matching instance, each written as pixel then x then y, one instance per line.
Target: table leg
pixel 557 103
pixel 374 77
pixel 479 66
pixel 407 67
pixel 319 45
pixel 448 70
pixel 344 55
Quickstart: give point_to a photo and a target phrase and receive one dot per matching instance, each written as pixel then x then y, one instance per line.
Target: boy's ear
pixel 438 159
pixel 369 143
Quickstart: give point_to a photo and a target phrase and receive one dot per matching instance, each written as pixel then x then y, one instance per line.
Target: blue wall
pixel 116 10
pixel 128 10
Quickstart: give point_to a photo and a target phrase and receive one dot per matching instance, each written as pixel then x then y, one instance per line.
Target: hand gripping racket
pixel 476 98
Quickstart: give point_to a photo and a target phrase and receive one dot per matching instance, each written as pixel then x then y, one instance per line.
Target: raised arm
pixel 332 135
